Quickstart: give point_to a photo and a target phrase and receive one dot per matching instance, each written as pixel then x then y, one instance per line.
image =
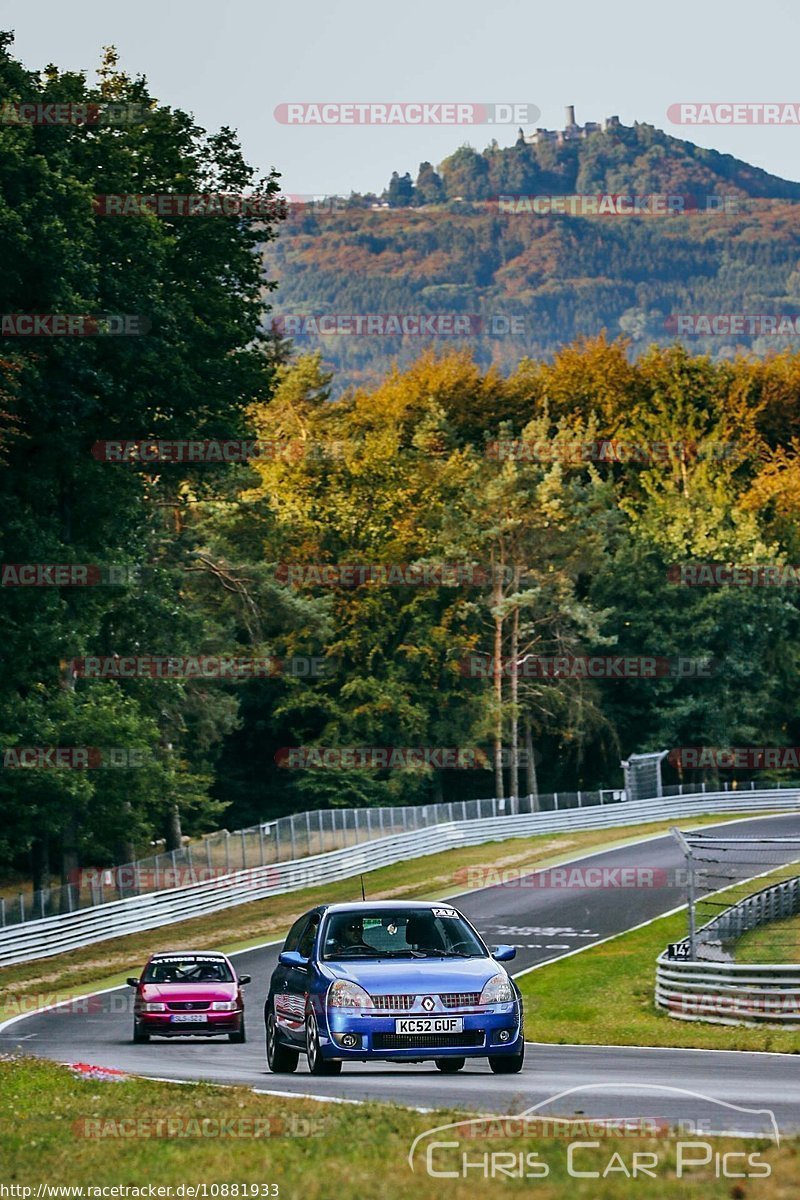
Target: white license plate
pixel 189 1018
pixel 429 1025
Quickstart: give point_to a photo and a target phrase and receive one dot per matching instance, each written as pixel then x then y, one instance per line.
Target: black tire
pixel 318 1065
pixel 238 1035
pixel 139 1035
pixel 281 1060
pixel 507 1064
pixel 449 1066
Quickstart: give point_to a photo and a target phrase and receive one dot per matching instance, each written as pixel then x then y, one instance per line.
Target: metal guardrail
pixel 728 993
pixel 69 931
pixel 299 835
pixel 285 839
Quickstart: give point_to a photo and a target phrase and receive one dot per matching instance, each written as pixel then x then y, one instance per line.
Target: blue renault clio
pixel 398 981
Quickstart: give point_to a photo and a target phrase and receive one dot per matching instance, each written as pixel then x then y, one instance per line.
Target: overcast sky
pixel 231 64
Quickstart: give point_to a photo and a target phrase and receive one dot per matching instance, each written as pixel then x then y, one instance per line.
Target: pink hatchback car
pixel 188 992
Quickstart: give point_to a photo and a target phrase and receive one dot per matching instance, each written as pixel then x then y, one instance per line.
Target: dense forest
pixel 507 555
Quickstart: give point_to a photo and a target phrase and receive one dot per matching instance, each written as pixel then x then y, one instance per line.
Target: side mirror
pixel 504 953
pixel 292 958
pixel 132 981
pixel 243 979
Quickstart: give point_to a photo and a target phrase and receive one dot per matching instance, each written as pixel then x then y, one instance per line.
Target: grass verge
pixel 313 1151
pixel 604 996
pixel 105 964
pixel 777 942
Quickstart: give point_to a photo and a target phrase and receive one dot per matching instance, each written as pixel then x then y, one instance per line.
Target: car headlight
pixel 152 1006
pixel 345 994
pixel 224 1006
pixel 498 990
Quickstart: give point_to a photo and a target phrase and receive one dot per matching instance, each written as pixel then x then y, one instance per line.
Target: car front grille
pixel 460 999
pixel 397 1003
pixel 426 1041
pixel 188 1005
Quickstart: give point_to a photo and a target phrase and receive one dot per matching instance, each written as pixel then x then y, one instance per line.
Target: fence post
pixel 308 830
pixel 580 802
pixel 321 832
pixel 244 847
pixel 405 819
pixel 555 800
pixel 292 835
pixel 278 840
pixel 21 907
pixel 261 843
pixel 227 852
pixel 380 821
pixel 2 913
pixel 208 855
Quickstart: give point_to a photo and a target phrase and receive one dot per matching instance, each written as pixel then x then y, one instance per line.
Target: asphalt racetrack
pixel 716 1090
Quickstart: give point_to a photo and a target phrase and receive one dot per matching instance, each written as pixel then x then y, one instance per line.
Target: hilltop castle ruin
pixel 571 132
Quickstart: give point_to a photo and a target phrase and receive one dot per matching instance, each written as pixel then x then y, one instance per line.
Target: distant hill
pixel 731 247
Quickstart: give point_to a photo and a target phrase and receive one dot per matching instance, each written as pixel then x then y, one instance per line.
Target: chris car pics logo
pixel 536 1143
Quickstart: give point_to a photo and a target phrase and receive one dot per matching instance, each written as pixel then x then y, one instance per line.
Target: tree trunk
pixel 530 767
pixel 40 863
pixel 174 832
pixel 70 862
pixel 497 679
pixel 126 851
pixel 515 695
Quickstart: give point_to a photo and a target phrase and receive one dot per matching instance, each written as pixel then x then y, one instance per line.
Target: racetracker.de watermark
pixel 43 575
pixel 727 112
pixel 730 575
pixel 409 112
pixel 351 575
pixel 77 758
pixel 572 877
pixel 390 758
pixel 50 325
pixel 151 1126
pixel 733 324
pixel 591 666
pixel 189 204
pixel 445 325
pixel 735 758
pixel 201 666
pixel 213 450
pixel 40 112
pixel 606 450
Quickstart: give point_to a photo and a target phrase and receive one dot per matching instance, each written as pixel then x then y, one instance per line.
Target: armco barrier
pixel 727 993
pixel 57 935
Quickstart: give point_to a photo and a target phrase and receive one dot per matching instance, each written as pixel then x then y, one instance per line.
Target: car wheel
pixel 280 1059
pixel 139 1034
pixel 449 1066
pixel 507 1064
pixel 318 1065
pixel 238 1035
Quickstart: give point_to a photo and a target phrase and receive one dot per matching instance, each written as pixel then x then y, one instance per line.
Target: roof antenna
pixel 361 877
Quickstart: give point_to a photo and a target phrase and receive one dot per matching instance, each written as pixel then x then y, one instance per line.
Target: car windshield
pixel 434 932
pixel 187 968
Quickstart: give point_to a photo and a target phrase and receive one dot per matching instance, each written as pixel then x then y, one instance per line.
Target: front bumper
pixel 163 1025
pixel 492 1030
